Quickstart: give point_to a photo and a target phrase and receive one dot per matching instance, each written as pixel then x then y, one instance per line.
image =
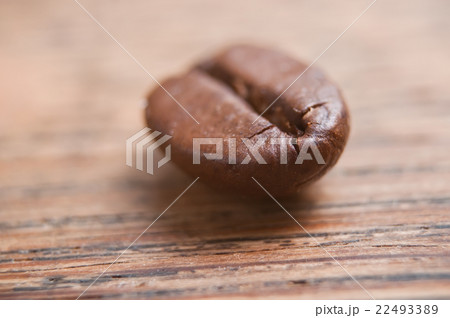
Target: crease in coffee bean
pixel 306 124
pixel 261 131
pixel 309 108
pixel 278 115
pixel 256 97
pixel 281 115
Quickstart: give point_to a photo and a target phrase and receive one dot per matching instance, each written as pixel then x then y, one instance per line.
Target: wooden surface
pixel 69 205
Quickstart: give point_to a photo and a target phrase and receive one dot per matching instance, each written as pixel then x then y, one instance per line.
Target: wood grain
pixel 69 206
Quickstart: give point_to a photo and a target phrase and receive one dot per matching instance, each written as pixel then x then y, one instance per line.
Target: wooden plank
pixel 69 206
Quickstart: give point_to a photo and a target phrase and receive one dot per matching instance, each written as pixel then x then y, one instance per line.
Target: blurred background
pixel 59 68
pixel 70 97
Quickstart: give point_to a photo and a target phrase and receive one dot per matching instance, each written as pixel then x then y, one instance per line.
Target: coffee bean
pixel 226 94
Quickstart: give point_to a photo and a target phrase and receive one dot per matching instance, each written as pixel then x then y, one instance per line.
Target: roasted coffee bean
pixel 226 94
